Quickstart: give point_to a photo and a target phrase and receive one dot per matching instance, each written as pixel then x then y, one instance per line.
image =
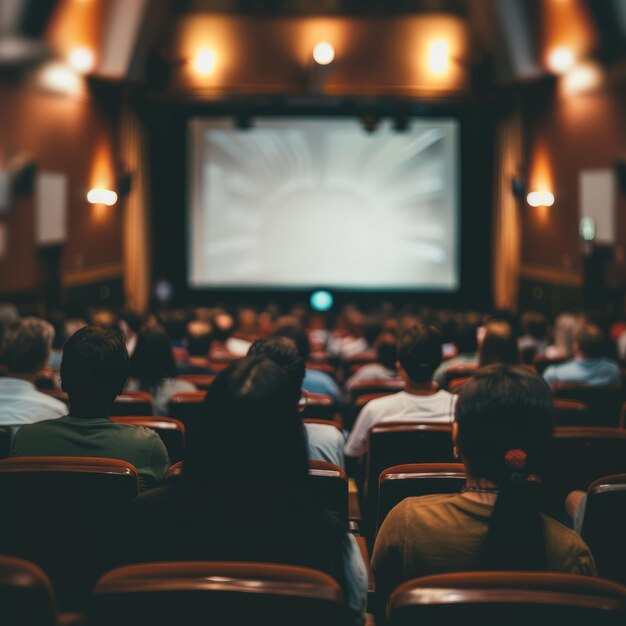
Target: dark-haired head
pixel 283 352
pixel 419 353
pixel 298 335
pixel 499 345
pixel 590 342
pixel 94 369
pixel 252 422
pixel 153 359
pixel 504 423
pixel 387 351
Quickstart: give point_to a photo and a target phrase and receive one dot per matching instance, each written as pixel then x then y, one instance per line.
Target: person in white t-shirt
pixel 419 354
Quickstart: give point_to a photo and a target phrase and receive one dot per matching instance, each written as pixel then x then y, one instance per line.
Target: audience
pixel 588 365
pixel 324 441
pixel 499 345
pixel 26 348
pixel 315 381
pixel 198 339
pixel 93 372
pixel 502 433
pixel 256 508
pixel 385 366
pixel 153 369
pixel 534 342
pixel 419 354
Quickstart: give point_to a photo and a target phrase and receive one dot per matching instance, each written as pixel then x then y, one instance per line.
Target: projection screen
pixel 320 202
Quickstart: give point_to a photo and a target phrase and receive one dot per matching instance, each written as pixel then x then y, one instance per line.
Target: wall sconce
pixel 540 198
pixel 323 53
pixel 98 195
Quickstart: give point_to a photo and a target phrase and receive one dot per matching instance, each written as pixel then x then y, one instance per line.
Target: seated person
pixel 314 380
pixel 419 354
pixel 25 353
pixel 465 340
pixel 502 432
pixel 534 341
pixel 153 369
pixel 588 365
pixel 499 345
pixel 385 366
pixel 243 494
pixel 198 339
pixel 324 441
pixel 93 372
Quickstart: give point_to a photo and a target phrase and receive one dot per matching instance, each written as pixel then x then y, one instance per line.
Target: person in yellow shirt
pixel 502 432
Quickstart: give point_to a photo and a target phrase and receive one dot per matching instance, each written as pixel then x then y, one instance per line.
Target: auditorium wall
pixel 566 135
pixel 75 137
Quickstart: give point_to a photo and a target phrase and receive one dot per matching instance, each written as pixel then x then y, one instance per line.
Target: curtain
pixel 506 218
pixel 136 223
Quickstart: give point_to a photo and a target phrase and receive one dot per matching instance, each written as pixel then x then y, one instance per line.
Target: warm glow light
pixel 540 198
pixel 81 60
pixel 438 56
pixel 204 63
pixel 59 77
pixel 561 59
pixel 583 77
pixel 323 53
pixel 101 196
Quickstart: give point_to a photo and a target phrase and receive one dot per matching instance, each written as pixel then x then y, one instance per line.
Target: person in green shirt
pixel 502 432
pixel 94 370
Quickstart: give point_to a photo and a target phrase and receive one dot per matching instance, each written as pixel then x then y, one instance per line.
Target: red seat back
pixel 604 401
pixel 133 403
pixel 170 430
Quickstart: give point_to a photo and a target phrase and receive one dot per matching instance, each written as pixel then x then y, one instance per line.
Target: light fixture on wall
pixel 438 57
pixel 561 59
pixel 323 53
pixel 540 198
pixel 204 61
pixel 99 195
pixel 81 60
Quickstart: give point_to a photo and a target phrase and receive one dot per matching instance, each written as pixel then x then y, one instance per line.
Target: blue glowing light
pixel 321 300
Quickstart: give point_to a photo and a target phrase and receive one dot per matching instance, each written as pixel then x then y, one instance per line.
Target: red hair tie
pixel 515 459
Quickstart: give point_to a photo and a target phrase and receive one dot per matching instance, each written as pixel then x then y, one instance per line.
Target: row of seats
pixel 240 594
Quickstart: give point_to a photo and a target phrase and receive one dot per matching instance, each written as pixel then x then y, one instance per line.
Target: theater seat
pixel 26 595
pixel 579 456
pixel 5 441
pixel 571 413
pixel 416 479
pixel 459 371
pixel 604 525
pixel 604 401
pixel 60 513
pixel 319 406
pixel 171 431
pixel 187 407
pixel 396 444
pixel 201 593
pixel 328 483
pixel 133 403
pixel 508 598
pixel 200 381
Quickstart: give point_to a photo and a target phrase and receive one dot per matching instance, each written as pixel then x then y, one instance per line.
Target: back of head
pixel 199 337
pixel 499 345
pixel 535 324
pixel 505 421
pixel 283 352
pixel 465 338
pixel 26 345
pixel 387 350
pixel 298 335
pixel 252 429
pixel 591 342
pixel 566 326
pixel 419 352
pixel 94 367
pixel 153 358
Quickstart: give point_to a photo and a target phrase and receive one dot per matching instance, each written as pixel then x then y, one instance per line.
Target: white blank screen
pixel 306 203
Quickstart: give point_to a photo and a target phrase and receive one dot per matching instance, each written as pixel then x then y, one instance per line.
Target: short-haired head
pixel 387 350
pixel 199 337
pixel 499 345
pixel 419 352
pixel 94 367
pixel 591 342
pixel 26 345
pixel 283 351
pixel 153 358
